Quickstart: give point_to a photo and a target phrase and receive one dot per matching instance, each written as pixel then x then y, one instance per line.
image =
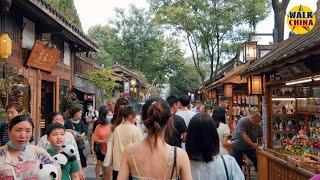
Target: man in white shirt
pixel 184 112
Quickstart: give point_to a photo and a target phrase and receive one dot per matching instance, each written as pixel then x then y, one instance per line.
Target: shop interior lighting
pixel 283 99
pixel 298 81
pixel 317 78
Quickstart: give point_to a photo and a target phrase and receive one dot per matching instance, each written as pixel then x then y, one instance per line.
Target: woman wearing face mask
pixel 101 137
pixel 18 158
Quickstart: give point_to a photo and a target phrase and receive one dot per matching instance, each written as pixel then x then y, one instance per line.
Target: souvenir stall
pixel 291 76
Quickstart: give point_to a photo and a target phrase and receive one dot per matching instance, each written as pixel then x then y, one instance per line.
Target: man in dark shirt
pixel 13 109
pixel 179 134
pixel 247 133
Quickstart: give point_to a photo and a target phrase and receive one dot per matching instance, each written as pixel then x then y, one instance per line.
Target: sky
pixel 95 12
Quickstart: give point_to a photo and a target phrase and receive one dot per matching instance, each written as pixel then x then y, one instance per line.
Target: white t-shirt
pixel 223 130
pixel 186 115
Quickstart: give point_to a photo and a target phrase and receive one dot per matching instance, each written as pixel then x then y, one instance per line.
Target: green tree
pixel 209 24
pixel 138 43
pixel 184 80
pixel 108 43
pixel 101 78
pixel 279 8
pixel 67 10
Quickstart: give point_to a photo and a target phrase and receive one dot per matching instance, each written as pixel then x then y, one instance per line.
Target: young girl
pixel 124 134
pixel 56 137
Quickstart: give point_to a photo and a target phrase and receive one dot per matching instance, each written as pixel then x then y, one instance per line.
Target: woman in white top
pixel 219 117
pixel 57 117
pixel 202 146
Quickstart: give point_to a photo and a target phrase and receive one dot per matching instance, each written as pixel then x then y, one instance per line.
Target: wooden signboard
pixel 43 56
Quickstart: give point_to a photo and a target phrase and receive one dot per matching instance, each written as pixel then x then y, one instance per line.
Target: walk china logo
pixel 301 19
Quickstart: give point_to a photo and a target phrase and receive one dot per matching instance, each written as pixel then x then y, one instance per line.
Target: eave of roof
pixel 234 72
pixel 290 48
pixel 56 16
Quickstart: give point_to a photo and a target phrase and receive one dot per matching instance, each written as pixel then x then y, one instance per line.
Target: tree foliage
pixel 208 24
pixel 279 8
pixel 67 10
pixel 101 79
pixel 134 40
pixel 184 80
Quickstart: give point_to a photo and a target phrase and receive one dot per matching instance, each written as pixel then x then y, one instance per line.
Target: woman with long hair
pixel 219 118
pixel 202 146
pixel 101 137
pixel 153 158
pixel 124 134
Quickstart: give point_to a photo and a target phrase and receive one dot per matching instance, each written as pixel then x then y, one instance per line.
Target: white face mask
pixel 90 108
pixel 109 118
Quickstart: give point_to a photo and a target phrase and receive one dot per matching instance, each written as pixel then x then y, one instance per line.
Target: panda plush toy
pixel 48 171
pixel 67 154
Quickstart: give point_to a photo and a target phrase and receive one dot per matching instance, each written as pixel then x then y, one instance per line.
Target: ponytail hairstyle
pixel 125 112
pixel 156 116
pixel 116 120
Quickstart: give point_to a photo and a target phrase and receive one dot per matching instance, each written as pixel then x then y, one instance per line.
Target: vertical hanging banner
pixel 126 89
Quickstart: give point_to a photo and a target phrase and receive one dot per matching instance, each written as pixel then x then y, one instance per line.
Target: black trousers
pixel 83 159
pixel 115 175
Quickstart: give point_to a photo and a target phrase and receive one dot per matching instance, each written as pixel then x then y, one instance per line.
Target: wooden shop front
pixel 43 49
pixel 291 74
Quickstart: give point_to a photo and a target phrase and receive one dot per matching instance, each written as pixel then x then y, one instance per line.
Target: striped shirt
pixel 4 138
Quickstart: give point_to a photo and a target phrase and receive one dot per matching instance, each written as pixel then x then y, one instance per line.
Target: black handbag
pixel 97 147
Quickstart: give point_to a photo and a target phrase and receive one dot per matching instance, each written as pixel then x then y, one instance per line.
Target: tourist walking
pixel 13 109
pixel 124 134
pixel 183 111
pixel 57 117
pixel 76 126
pixel 56 137
pixel 203 149
pixel 153 158
pixel 91 116
pixel 18 152
pixel 101 137
pixel 219 118
pixel 180 129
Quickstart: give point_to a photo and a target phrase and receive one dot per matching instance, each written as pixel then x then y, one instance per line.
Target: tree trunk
pixel 279 10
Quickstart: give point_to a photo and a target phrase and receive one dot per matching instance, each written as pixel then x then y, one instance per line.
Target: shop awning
pixel 84 90
pixel 287 52
pixel 232 77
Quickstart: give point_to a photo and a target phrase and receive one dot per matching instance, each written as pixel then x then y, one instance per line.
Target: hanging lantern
pixel 250 51
pixel 133 82
pixel 255 85
pixel 5 46
pixel 228 90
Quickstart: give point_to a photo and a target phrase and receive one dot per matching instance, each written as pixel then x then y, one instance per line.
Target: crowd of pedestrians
pixel 169 139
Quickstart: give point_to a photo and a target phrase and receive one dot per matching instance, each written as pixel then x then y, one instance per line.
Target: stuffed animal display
pixel 67 154
pixel 48 171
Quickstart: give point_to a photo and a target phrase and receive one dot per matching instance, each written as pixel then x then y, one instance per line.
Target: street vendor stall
pixel 291 74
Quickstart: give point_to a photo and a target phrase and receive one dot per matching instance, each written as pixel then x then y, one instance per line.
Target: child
pixel 55 135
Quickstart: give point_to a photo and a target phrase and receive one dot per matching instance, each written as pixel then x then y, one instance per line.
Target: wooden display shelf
pixel 285 132
pixel 307 113
pixel 285 115
pixel 271 167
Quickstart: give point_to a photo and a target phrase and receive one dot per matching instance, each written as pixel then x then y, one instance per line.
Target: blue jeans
pixel 251 154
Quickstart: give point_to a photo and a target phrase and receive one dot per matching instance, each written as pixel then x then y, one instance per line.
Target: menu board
pixel 43 56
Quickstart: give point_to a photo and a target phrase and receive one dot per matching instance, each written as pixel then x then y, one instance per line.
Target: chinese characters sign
pixel 43 56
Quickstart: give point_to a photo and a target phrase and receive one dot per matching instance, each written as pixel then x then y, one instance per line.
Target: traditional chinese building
pixel 44 45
